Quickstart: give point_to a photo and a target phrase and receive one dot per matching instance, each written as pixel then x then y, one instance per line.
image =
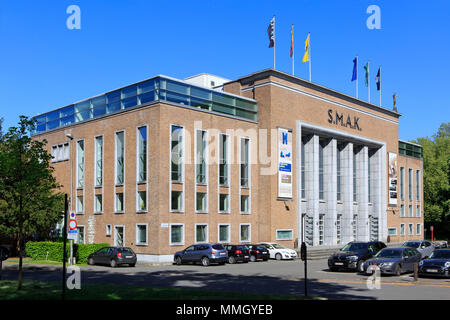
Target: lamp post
pixel 71 192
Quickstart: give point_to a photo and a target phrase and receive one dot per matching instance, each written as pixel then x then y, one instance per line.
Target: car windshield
pixel 278 246
pixel 218 247
pixel 126 250
pixel 411 244
pixel 440 254
pixel 389 253
pixel 355 247
pixel 242 248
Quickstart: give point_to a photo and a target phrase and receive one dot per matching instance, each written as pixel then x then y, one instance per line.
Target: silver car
pixel 423 246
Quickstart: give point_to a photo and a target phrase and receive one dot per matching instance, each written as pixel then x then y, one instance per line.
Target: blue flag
pixel 355 69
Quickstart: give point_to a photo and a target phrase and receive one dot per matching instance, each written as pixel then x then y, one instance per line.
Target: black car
pixel 237 253
pixel 258 253
pixel 438 264
pixel 353 255
pixel 113 256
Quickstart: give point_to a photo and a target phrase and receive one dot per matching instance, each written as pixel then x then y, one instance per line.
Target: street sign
pixel 72 234
pixel 72 224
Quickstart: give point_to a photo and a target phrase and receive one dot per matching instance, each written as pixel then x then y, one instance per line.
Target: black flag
pixel 271 33
pixel 378 79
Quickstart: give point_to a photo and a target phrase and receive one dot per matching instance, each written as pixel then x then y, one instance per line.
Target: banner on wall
pixel 284 163
pixel 392 179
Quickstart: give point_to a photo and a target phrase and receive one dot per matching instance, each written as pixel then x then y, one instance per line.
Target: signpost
pixel 303 256
pixel 431 229
pixel 66 206
pixel 72 234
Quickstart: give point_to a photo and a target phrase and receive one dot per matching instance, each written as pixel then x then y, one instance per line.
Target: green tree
pixel 30 203
pixel 436 180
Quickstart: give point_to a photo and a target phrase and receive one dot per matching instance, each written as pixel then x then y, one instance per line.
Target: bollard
pixel 416 271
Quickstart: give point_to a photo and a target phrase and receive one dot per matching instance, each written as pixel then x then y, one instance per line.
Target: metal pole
pixel 64 248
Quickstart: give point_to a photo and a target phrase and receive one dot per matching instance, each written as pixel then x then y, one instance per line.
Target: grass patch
pixel 38 290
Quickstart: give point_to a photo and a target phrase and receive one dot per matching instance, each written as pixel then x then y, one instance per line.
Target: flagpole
pixel 356 76
pixel 274 42
pixel 309 55
pixel 368 77
pixel 293 52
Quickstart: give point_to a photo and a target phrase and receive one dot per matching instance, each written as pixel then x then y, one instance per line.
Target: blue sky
pixel 44 65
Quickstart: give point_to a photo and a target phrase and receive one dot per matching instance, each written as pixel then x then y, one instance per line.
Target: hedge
pixel 53 251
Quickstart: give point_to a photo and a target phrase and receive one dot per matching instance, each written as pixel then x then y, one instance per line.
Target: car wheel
pixel 205 261
pixel 132 265
pixel 91 262
pixel 360 266
pixel 333 269
pixel 398 270
pixel 265 259
pixel 252 258
pixel 231 260
pixel 178 261
pixel 278 256
pixel 113 263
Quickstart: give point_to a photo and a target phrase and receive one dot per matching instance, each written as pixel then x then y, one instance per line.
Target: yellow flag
pixel 306 55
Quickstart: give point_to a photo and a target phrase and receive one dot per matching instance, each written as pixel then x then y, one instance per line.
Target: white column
pixel 312 183
pixel 330 196
pixel 347 192
pixel 362 193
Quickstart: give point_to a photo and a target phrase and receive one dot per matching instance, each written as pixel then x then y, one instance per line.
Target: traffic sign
pixel 72 224
pixel 72 234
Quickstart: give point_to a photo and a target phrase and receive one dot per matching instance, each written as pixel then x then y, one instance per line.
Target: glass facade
pixel 408 149
pixel 158 89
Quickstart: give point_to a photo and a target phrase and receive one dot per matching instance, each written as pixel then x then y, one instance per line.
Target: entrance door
pixel 119 239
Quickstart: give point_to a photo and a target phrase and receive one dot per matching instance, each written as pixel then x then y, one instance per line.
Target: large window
pixel 120 157
pixel 141 234
pixel 201 202
pixel 418 185
pixel 284 234
pixel 224 233
pixel 200 156
pixel 80 164
pixel 176 202
pixel 224 203
pixel 201 233
pixel 244 233
pixel 119 205
pixel 177 234
pixel 80 235
pixel 245 169
pixel 98 161
pixel 223 159
pixel 98 205
pixel 245 204
pixel 321 171
pixel 410 182
pixel 402 229
pixel 79 205
pixel 402 183
pixel 60 152
pixel 141 201
pixel 176 138
pixel 402 211
pixel 142 154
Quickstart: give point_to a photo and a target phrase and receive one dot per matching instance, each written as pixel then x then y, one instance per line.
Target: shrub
pixel 39 250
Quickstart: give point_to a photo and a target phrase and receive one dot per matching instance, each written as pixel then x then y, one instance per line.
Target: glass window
pixel 142 154
pixel 177 200
pixel 119 202
pixel 284 235
pixel 418 229
pixel 201 233
pixel 201 156
pixel 177 153
pixel 129 102
pixel 79 204
pixel 113 96
pixel 120 157
pixel 141 200
pixel 98 203
pixel 410 177
pixel 418 185
pixel 80 235
pixel 418 213
pixel 129 92
pixel 98 161
pixel 410 229
pixel 402 183
pixel 402 210
pixel 245 204
pixel 146 97
pixel 80 164
pixel 146 86
pixel 201 202
pixel 177 87
pixel 245 169
pixel 410 211
pixel 223 202
pixel 402 229
pixel 114 106
pixel 201 93
pixel 224 233
pixel 176 234
pixel 223 159
pixel 244 234
pixel 141 234
pixel 392 231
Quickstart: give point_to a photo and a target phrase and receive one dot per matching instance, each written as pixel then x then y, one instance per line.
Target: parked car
pixel 258 252
pixel 440 245
pixel 438 264
pixel 393 261
pixel 113 256
pixel 204 253
pixel 237 253
pixel 353 255
pixel 423 246
pixel 277 251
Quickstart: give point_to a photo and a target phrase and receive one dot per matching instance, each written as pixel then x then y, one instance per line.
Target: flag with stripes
pixel 271 33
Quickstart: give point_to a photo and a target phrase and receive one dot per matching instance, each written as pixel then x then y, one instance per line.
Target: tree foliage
pixel 436 179
pixel 30 203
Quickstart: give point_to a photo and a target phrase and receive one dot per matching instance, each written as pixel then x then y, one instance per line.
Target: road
pixel 280 277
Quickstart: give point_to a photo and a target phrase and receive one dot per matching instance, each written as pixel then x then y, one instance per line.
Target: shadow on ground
pixel 194 279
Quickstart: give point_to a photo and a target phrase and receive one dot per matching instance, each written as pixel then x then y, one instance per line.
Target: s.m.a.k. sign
pixel 344 120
